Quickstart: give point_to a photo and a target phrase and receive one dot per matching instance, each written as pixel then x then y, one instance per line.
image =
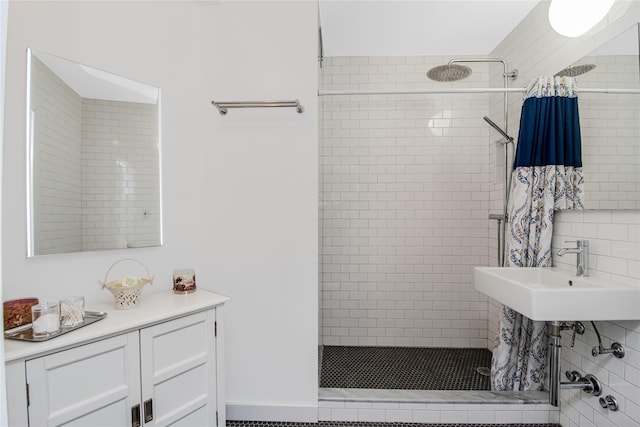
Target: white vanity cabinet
pixel 156 365
pixel 92 385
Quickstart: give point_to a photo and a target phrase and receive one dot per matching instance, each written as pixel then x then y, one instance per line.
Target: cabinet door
pixel 179 372
pixel 95 384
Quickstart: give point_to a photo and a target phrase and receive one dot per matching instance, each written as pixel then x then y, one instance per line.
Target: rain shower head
pixel 500 131
pixel 449 73
pixel 575 70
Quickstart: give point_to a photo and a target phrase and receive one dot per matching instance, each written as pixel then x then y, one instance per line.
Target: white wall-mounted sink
pixel 549 294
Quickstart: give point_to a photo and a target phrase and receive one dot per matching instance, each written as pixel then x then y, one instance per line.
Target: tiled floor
pixel 404 368
pixel 363 424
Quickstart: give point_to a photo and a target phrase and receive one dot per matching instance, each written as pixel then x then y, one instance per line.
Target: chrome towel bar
pixel 224 106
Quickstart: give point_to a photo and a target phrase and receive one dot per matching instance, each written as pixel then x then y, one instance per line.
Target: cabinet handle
pixel 148 410
pixel 135 416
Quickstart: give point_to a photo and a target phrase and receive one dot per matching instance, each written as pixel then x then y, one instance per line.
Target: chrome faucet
pixel 582 258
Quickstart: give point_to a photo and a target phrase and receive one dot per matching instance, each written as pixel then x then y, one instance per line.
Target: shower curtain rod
pixel 465 90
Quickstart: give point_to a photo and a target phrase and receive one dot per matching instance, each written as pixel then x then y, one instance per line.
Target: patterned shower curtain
pixel 547 175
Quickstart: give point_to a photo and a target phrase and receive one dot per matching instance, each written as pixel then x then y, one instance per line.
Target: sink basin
pixel 548 294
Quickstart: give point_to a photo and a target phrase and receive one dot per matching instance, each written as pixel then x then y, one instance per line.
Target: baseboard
pixel 300 414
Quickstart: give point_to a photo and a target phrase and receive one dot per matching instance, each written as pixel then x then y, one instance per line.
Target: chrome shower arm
pixel 513 74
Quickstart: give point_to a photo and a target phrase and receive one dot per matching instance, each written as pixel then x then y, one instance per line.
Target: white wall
pixel 405 186
pixel 535 49
pixel 240 192
pixel 3 42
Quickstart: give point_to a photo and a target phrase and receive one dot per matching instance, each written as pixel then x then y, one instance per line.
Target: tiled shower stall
pixel 348 125
pixel 407 184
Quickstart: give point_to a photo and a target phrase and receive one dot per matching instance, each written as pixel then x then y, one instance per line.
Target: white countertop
pixel 154 308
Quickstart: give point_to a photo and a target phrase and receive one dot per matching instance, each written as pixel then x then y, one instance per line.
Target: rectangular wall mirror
pixel 93 159
pixel 610 123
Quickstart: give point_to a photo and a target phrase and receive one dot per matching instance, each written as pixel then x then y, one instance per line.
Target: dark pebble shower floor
pixel 404 368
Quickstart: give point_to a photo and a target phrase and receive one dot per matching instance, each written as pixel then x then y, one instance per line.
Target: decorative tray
pixel 25 333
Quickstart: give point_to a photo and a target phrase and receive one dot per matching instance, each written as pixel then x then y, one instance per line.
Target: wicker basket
pixel 127 291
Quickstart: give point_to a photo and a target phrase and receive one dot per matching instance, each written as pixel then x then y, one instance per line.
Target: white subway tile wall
pixel 614 235
pixel 405 182
pixel 57 165
pixel 120 169
pixel 614 238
